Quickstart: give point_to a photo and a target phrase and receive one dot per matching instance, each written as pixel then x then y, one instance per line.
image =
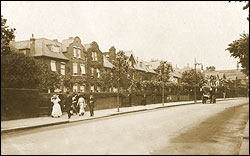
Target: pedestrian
pixel 68 104
pixel 82 104
pixel 91 104
pixel 144 99
pixel 56 110
pixel 74 103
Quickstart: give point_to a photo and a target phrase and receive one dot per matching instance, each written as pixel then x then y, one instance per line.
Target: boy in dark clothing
pixel 91 104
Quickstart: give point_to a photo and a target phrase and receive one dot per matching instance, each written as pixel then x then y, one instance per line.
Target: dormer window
pixel 55 49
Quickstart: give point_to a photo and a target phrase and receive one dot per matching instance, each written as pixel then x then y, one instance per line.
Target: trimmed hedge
pixel 19 103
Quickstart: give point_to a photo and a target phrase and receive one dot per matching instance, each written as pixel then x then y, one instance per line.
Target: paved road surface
pixel 192 129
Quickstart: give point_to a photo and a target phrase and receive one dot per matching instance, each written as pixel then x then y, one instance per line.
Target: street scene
pixel 124 78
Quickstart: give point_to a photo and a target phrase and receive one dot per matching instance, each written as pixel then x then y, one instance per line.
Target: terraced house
pixel 85 63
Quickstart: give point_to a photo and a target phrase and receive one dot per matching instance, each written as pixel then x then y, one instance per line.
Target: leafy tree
pixel 240 49
pixel 7 34
pixel 191 78
pixel 210 68
pixel 120 72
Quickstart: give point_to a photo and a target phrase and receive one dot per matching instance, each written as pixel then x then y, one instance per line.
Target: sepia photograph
pixel 124 77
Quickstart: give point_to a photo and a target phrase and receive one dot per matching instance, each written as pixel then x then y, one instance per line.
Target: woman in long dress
pixel 81 103
pixel 56 110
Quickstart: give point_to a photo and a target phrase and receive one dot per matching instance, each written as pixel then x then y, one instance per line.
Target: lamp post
pixel 163 78
pixel 118 84
pixel 195 64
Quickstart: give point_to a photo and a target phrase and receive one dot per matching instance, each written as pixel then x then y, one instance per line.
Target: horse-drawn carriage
pixel 208 94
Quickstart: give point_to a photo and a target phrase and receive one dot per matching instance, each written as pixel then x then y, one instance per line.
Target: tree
pixel 210 68
pixel 7 34
pixel 189 78
pixel 120 72
pixel 240 48
pixel 163 71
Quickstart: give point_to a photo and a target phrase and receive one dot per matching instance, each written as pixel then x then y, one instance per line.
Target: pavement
pixel 244 149
pixel 29 123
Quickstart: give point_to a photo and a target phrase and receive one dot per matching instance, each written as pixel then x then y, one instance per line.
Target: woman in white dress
pixel 56 110
pixel 81 103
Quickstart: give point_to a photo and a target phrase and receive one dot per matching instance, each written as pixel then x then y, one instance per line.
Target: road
pixel 192 129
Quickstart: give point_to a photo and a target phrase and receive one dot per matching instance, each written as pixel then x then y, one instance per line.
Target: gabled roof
pixel 66 43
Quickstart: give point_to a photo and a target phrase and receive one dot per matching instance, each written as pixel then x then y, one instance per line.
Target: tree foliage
pixel 120 70
pixel 7 34
pixel 240 49
pixel 192 77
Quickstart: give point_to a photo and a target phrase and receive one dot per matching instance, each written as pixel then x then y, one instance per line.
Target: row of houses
pixel 86 62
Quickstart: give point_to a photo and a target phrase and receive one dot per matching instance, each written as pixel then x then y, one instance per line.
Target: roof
pixel 106 63
pixel 176 74
pixel 66 43
pixel 42 49
pixel 155 64
pixel 87 46
pixel 149 67
pixel 21 44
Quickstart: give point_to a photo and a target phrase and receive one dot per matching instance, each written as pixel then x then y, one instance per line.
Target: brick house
pixel 95 66
pixel 74 50
pixel 48 51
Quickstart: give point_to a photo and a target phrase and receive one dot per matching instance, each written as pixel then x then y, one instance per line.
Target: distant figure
pixel 91 104
pixel 144 99
pixel 74 103
pixel 81 103
pixel 68 104
pixel 130 99
pixel 56 110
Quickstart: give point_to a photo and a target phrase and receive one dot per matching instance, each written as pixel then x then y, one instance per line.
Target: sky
pixel 175 31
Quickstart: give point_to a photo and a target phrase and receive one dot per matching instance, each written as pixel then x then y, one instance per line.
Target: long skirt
pixel 56 111
pixel 82 108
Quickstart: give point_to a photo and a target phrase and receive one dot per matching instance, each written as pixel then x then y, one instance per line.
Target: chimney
pixel 237 66
pixel 32 45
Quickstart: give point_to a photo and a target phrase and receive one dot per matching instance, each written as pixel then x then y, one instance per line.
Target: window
pixel 53 65
pixel 75 88
pixel 74 68
pixel 63 69
pixel 92 88
pixel 79 53
pixel 64 89
pixel 98 89
pixel 82 88
pixel 94 56
pixel 98 73
pixel 82 68
pixel 74 52
pixel 92 71
pixel 55 49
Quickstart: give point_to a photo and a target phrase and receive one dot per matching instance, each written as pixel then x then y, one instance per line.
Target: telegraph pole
pixel 195 64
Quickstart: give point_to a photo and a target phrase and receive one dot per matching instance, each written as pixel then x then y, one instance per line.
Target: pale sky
pixel 174 31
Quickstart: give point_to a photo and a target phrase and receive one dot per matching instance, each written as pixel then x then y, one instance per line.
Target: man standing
pixel 91 104
pixel 68 104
